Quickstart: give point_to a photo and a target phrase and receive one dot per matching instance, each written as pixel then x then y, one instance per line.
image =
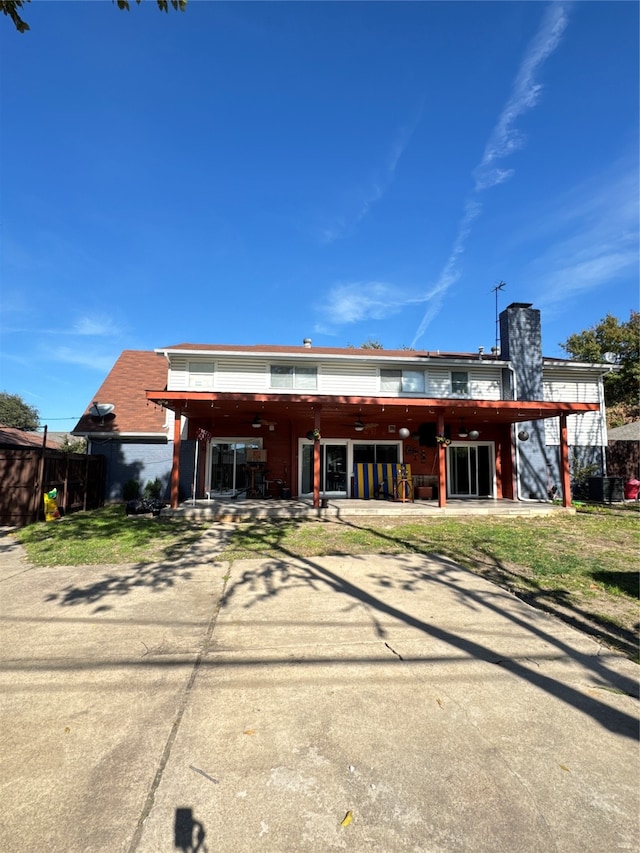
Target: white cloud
pixel 102 362
pixel 451 271
pixel 503 141
pixel 95 326
pixel 353 302
pixel 98 327
pixel 505 138
pixel 358 301
pixel 583 276
pixel 590 235
pixel 372 193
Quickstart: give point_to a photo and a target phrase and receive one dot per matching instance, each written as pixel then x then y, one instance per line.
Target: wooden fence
pixel 623 459
pixel 26 474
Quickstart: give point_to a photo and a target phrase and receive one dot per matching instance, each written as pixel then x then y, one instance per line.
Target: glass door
pixel 229 473
pixel 333 469
pixel 470 471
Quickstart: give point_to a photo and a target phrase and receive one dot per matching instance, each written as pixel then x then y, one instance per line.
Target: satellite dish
pixel 102 409
pixel 610 357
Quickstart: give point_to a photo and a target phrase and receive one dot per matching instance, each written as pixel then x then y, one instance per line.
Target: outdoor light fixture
pixel 358 426
pixel 473 434
pixel 523 435
pixel 256 423
pixel 462 432
pixel 403 432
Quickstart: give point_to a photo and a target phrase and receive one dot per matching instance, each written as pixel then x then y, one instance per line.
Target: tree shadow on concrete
pixel 561 604
pixel 117 583
pixel 273 577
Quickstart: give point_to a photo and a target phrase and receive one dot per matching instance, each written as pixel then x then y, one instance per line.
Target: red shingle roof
pixel 134 373
pixel 350 352
pixel 12 437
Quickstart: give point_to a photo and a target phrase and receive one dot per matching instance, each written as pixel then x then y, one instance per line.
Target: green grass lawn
pixel 585 563
pixel 105 535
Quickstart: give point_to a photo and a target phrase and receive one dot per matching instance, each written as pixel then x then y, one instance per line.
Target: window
pixel 375 453
pixel 459 382
pixel 398 381
pixel 292 376
pixel 200 374
pixel 391 380
pixel 413 381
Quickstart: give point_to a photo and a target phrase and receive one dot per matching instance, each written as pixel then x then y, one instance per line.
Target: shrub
pixel 153 490
pixel 131 490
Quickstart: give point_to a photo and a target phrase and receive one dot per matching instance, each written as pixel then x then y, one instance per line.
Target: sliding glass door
pixel 470 471
pixel 228 466
pixel 333 469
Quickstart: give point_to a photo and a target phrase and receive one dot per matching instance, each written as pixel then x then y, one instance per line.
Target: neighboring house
pixel 305 419
pixel 12 437
pixel 134 436
pixel 623 451
pixel 32 464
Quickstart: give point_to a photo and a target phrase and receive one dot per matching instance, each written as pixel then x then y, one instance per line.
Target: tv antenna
pixel 499 286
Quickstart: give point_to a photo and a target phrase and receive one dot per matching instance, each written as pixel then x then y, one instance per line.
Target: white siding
pixel 348 380
pixel 335 378
pixel 584 429
pixel 178 377
pixel 571 387
pixel 250 375
pixel 484 383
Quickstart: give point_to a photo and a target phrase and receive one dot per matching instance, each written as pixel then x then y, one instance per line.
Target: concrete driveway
pixel 365 704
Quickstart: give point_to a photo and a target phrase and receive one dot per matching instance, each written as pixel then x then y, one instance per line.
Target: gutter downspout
pixel 604 438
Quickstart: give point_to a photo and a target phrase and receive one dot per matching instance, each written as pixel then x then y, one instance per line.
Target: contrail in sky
pixel 503 141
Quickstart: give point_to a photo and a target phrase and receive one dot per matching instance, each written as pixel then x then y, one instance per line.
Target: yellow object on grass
pixel 51 511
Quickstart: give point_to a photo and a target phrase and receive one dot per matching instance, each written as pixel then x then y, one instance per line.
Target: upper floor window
pixel 293 376
pixel 200 374
pixel 459 382
pixel 398 381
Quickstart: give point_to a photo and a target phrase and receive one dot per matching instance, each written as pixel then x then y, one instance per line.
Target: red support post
pixel 442 467
pixel 316 461
pixel 565 472
pixel 175 466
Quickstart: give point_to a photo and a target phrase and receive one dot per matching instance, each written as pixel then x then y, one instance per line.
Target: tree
pixel 368 344
pixel 14 412
pixel 73 445
pixel 618 343
pixel 11 7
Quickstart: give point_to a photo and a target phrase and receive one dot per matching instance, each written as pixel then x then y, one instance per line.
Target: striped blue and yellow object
pixel 371 479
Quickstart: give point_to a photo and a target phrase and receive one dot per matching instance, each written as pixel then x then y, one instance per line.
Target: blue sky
pixel 264 172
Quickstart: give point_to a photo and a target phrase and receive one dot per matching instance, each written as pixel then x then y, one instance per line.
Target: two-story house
pixel 227 420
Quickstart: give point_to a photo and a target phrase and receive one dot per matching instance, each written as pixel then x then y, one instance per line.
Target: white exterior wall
pixel 252 375
pixel 178 375
pixel 248 375
pixel 484 382
pixel 343 380
pixel 571 387
pixel 587 429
